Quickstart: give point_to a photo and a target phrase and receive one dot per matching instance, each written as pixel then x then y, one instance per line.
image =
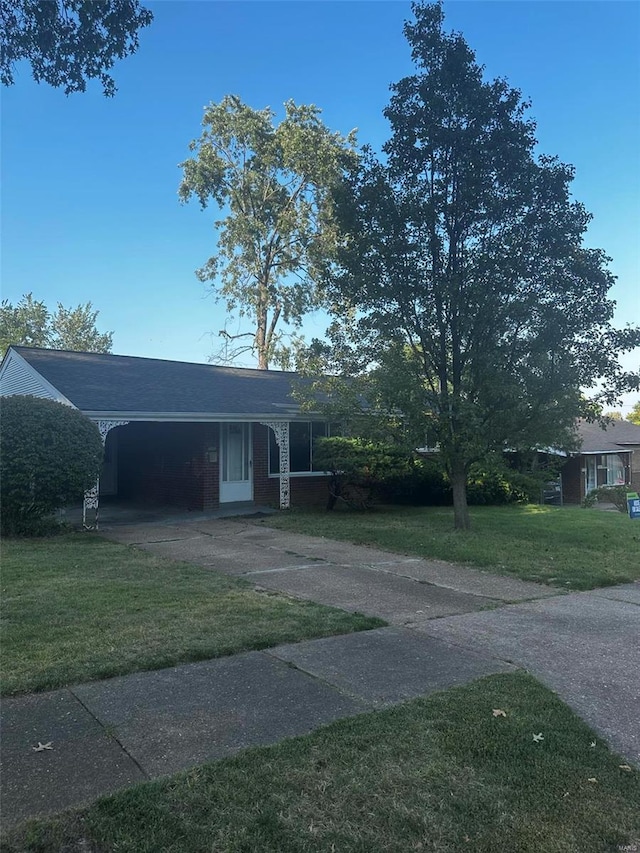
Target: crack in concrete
pixel 109 732
pixel 280 569
pixel 368 706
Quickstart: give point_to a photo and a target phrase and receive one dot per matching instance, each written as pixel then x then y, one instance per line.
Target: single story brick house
pixel 194 436
pixel 607 457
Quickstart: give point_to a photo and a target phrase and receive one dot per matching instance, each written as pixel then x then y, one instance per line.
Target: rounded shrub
pixel 492 484
pixel 49 454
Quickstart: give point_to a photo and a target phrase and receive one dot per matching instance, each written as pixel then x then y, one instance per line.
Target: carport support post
pixel 281 432
pixel 92 495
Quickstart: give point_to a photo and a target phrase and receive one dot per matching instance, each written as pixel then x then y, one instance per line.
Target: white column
pixel 281 432
pixel 92 495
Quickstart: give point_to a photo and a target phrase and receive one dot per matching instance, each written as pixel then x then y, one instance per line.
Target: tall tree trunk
pixel 261 330
pixel 461 520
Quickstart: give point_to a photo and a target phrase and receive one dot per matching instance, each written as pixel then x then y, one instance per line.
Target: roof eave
pixel 619 448
pixel 203 417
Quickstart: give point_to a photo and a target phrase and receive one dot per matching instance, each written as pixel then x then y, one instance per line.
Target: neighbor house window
pixel 615 470
pixel 607 469
pixel 301 438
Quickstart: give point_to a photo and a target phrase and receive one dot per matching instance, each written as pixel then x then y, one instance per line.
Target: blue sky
pixel 89 203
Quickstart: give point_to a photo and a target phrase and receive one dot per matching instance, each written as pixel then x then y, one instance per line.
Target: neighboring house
pixel 194 436
pixel 607 457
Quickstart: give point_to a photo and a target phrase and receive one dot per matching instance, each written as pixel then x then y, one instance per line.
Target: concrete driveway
pixel 586 646
pixel 404 591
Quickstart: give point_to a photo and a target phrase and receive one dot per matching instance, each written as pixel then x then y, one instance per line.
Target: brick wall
pixel 262 488
pixel 211 468
pixel 167 464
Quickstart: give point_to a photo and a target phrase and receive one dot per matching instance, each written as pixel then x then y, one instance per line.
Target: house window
pixel 607 469
pixel 615 470
pixel 301 438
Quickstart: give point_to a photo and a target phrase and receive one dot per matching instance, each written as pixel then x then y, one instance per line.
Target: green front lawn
pixel 568 547
pixel 441 774
pixel 77 608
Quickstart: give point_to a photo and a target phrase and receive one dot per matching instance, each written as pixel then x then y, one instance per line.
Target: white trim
pixel 92 495
pixel 281 433
pixel 295 474
pixel 622 449
pixel 188 417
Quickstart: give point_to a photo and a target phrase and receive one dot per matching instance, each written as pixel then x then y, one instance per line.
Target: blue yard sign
pixel 633 503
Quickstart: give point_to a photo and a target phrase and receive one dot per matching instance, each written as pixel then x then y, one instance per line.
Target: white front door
pixel 236 463
pixel 591 474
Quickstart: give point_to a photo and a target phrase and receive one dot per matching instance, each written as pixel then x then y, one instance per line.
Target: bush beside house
pixel 364 471
pixel 49 454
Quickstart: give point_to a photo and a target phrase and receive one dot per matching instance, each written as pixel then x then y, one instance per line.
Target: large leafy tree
pixel 464 279
pixel 68 42
pixel 634 414
pixel 274 184
pixel 30 323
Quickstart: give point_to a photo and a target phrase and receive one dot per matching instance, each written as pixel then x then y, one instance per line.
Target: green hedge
pixel 494 484
pixel 364 471
pixel 49 454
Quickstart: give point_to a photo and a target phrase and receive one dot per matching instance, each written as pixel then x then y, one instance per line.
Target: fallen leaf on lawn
pixel 498 712
pixel 566 794
pixel 592 744
pixel 42 746
pixel 537 738
pixel 625 767
pixel 592 779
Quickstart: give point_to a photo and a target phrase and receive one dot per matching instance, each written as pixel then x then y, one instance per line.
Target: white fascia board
pixel 621 449
pixel 551 451
pixel 188 417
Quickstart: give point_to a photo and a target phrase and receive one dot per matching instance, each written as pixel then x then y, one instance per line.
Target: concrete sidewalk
pixel 585 646
pixel 111 734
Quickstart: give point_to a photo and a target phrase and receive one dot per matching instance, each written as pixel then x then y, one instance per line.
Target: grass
pixel 439 774
pixel 78 608
pixel 567 547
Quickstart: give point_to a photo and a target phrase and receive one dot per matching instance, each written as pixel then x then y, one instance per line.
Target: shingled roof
pixel 618 436
pixel 97 383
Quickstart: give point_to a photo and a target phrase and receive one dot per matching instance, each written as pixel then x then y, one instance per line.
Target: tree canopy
pixel 30 323
pixel 463 282
pixel 634 414
pixel 68 42
pixel 274 183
